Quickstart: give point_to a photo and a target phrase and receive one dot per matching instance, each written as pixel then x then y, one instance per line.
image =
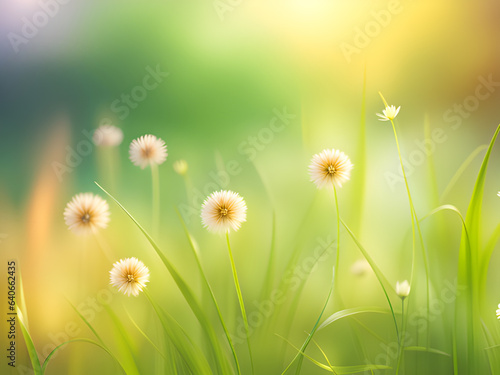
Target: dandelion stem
pixel 156 198
pixel 337 259
pixel 240 299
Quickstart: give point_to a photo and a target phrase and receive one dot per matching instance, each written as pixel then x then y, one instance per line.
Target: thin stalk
pixel 334 278
pixel 401 341
pixel 240 299
pixel 414 222
pixel 337 258
pixel 156 199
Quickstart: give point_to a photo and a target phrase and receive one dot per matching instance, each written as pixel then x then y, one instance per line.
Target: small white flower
pixel 498 311
pixel 107 136
pixel 223 210
pixel 147 150
pixel 181 167
pixel 330 166
pixel 498 193
pixel 389 113
pixel 403 289
pixel 129 276
pixel 86 213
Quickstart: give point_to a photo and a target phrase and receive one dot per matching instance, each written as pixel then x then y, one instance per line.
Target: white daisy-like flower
pixel 107 136
pixel 498 194
pixel 86 213
pixel 389 113
pixel 223 210
pixel 403 289
pixel 330 166
pixel 148 150
pixel 360 267
pixel 498 311
pixel 129 275
pixel 181 167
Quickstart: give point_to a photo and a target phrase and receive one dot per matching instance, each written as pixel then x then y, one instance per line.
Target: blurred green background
pixel 232 67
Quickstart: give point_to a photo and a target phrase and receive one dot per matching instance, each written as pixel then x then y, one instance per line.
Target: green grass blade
pixel 313 331
pixel 339 369
pixel 380 276
pixel 145 335
pixel 461 170
pixel 350 312
pixel 186 291
pixel 240 300
pixel 87 323
pixel 190 353
pixel 469 270
pixel 35 361
pixel 47 360
pixel 428 350
pixel 212 295
pixel 125 345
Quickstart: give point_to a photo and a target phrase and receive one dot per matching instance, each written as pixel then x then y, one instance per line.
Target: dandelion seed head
pixel 129 275
pixel 148 150
pixel 86 213
pixel 107 136
pixel 223 210
pixel 330 167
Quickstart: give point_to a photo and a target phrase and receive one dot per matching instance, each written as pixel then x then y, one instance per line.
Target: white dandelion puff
pixel 129 275
pixel 107 136
pixel 330 166
pixel 148 150
pixel 86 213
pixel 223 210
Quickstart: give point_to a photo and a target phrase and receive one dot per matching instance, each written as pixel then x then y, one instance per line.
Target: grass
pixel 348 337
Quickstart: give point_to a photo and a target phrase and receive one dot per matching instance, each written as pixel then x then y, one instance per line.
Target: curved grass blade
pixel 460 171
pixel 468 269
pixel 313 331
pixel 212 295
pixel 124 343
pixel 47 360
pixel 428 350
pixel 186 291
pixel 35 361
pixel 192 356
pixel 339 369
pixel 145 335
pixel 350 312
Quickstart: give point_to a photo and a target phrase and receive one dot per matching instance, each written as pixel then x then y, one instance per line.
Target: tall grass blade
pixel 186 291
pixel 47 360
pixel 35 362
